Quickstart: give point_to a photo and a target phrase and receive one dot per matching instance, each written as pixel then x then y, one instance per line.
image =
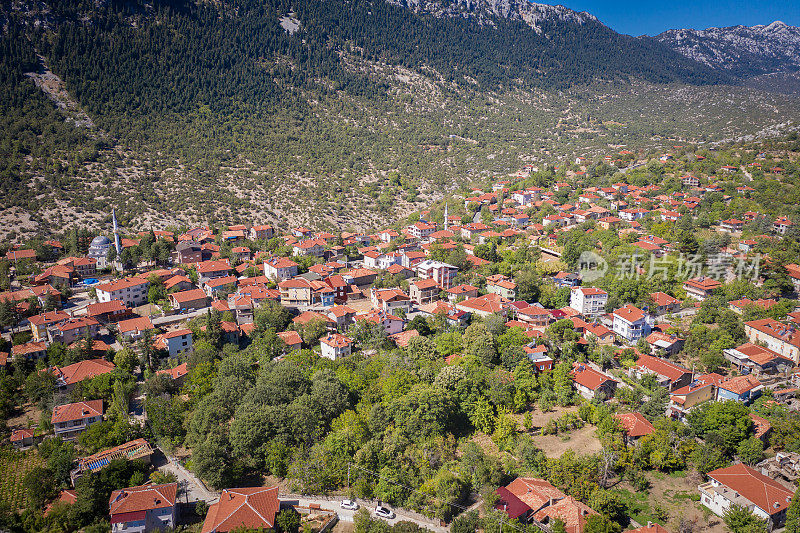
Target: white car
pixel 384 512
pixel 350 505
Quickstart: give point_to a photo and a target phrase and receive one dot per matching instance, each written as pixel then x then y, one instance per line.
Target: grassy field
pixel 13 467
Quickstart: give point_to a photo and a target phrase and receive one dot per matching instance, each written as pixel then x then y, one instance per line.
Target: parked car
pixel 384 512
pixel 350 505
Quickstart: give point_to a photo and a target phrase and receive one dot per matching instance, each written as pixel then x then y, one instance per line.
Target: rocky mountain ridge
pixel 743 51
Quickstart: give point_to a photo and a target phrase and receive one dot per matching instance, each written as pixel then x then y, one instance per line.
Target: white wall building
pixel 588 301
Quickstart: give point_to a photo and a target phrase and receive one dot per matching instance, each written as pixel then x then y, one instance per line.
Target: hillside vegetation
pixel 202 111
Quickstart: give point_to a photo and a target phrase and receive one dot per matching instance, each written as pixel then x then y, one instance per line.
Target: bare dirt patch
pixel 27 417
pixel 582 441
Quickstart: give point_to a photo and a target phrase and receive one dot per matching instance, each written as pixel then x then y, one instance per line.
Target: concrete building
pixel 588 301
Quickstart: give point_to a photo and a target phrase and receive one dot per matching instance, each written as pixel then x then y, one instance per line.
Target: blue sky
pixel 651 18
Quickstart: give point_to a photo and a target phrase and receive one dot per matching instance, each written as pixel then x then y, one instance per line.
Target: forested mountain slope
pixel 333 112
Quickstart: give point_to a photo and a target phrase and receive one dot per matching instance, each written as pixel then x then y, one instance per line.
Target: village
pixel 107 329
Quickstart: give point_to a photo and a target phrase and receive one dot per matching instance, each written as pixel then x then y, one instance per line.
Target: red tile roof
pixel 635 424
pixel 572 512
pixel 101 308
pixel 534 492
pixel 765 492
pixel 50 317
pixel 20 434
pixel 213 266
pixel 668 369
pixel 82 370
pixel 704 283
pixel 760 425
pixel 28 348
pixel 661 299
pixel 76 411
pixel 507 501
pixel 251 508
pixel 336 340
pixel 290 338
pixel 740 384
pixel 135 324
pixel 588 377
pixel 188 296
pixel 630 313
pixel 176 372
pixel 121 284
pixel 125 502
pixel 403 338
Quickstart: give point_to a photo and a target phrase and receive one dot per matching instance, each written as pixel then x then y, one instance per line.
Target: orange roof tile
pixel 76 411
pixel 82 370
pixel 142 498
pixel 251 507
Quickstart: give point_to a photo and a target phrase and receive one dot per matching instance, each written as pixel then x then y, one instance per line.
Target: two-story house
pixel 700 288
pixel 746 487
pixel 782 339
pixel 67 377
pixel 442 273
pixel 390 300
pixel 208 270
pixel 670 375
pixel 501 286
pixel 72 419
pixel 334 345
pixel 73 329
pixel 175 342
pixel 40 323
pixel 743 389
pixel 143 509
pixel 590 382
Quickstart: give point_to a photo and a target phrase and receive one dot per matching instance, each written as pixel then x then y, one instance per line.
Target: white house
pixel 280 268
pixel 744 486
pixel 175 342
pixel 631 323
pixel 132 291
pixel 334 345
pixel 588 301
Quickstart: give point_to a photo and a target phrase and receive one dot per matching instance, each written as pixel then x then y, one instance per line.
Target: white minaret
pixel 445 216
pixel 117 243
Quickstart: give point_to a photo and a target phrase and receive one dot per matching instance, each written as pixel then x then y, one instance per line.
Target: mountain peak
pixel 776 25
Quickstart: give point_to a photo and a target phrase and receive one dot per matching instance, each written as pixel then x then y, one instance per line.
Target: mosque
pixel 98 248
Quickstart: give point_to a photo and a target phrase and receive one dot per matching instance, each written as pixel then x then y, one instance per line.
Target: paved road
pixel 171 319
pixel 332 504
pixel 194 489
